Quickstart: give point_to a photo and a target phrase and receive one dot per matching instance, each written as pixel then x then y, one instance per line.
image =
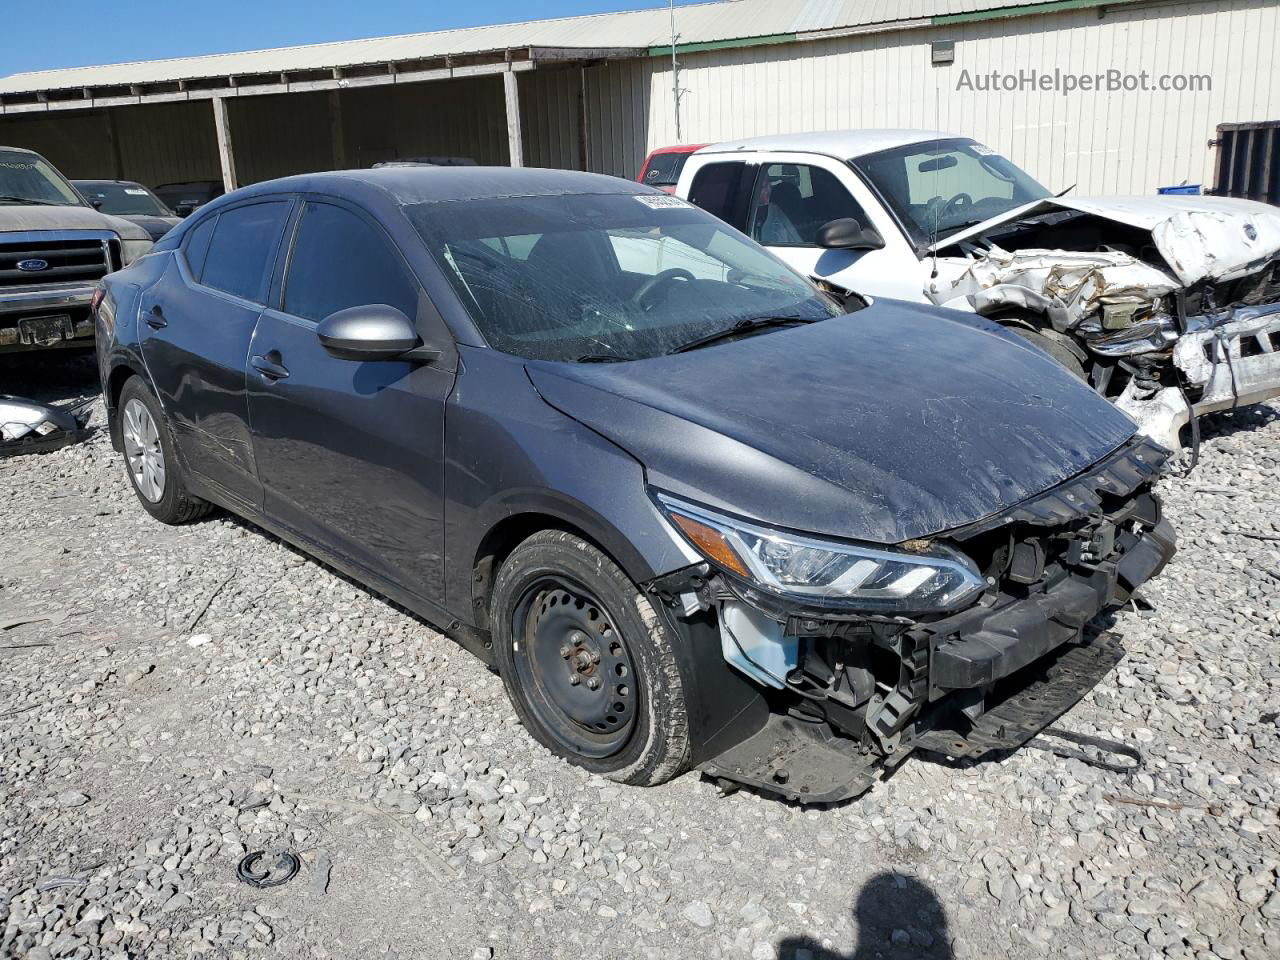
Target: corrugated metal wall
pixel 278 135
pixel 1124 142
pixel 622 103
pixel 157 143
pixel 447 117
pixel 551 117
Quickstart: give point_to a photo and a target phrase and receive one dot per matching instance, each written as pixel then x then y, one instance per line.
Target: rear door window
pixel 243 249
pixel 341 260
pixel 718 188
pixel 794 200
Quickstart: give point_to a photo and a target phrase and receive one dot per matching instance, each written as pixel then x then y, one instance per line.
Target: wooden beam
pixel 584 120
pixel 226 156
pixel 515 143
pixel 337 136
pixel 113 145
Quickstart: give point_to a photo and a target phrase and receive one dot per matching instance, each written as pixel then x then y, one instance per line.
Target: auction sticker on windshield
pixel 661 202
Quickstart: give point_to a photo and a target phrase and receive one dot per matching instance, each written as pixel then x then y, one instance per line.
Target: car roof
pixel 844 144
pixel 408 185
pixel 132 183
pixel 19 150
pixel 677 148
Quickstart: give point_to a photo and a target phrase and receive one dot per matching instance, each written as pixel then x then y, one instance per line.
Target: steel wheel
pixel 575 666
pixel 143 451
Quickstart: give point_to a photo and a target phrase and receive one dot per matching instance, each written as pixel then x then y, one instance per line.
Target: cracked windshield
pixel 599 278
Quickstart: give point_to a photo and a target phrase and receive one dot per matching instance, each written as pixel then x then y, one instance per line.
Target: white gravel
pixel 142 756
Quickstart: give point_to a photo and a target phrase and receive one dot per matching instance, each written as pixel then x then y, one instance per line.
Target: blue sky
pixel 82 33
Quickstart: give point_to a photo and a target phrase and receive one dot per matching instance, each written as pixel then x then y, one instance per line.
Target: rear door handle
pixel 155 317
pixel 270 367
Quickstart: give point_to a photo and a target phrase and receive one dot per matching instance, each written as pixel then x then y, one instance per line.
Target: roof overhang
pixel 447 67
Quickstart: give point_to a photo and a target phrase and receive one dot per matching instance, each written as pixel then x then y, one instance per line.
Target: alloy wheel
pixel 142 450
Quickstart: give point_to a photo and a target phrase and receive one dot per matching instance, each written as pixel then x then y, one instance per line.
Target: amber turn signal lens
pixel 710 542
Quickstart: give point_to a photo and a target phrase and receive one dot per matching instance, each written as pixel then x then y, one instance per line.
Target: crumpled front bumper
pixel 1226 360
pixel 979 647
pixel 988 677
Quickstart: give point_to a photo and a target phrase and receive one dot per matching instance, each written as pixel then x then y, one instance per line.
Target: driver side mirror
pixel 848 233
pixel 373 332
pixel 184 209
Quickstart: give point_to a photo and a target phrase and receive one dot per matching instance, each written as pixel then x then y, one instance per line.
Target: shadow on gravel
pixel 1230 422
pixel 896 917
pixel 57 377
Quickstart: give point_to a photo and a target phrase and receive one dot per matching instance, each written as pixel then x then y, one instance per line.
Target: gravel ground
pixel 184 695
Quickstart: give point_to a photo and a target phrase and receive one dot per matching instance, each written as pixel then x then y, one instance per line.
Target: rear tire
pixel 562 610
pixel 151 462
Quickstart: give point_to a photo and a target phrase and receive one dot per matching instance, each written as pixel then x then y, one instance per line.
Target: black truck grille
pixel 64 261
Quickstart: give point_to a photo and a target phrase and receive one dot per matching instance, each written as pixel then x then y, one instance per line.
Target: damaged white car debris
pixel 1168 305
pixel 30 427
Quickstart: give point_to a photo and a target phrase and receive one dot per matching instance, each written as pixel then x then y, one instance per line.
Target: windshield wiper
pixel 602 358
pixel 5 198
pixel 744 325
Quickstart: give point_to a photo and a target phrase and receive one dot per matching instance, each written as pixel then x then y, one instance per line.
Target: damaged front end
pixel 1169 318
pixel 994 648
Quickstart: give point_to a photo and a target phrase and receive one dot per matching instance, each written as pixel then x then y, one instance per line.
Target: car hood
pixel 1199 237
pixel 156 226
pixel 889 424
pixel 21 217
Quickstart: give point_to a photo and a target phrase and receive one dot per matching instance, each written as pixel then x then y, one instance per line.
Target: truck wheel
pixel 587 663
pixel 1053 348
pixel 154 471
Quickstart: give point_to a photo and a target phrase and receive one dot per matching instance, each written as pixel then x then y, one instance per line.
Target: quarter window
pixel 794 200
pixel 243 249
pixel 196 245
pixel 340 260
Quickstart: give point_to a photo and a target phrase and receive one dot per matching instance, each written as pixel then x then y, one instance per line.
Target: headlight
pixel 862 577
pixel 131 250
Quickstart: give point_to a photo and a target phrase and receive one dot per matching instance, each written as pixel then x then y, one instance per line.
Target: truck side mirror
pixel 849 233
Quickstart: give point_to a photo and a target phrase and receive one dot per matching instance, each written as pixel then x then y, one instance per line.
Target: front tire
pixel 150 458
pixel 587 662
pixel 1054 348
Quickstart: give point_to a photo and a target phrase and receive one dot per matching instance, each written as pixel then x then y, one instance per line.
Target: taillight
pixel 98 294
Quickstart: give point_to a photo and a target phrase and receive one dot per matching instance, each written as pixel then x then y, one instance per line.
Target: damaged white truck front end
pixel 1186 324
pixel 1168 305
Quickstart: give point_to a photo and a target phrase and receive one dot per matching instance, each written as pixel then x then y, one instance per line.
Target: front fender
pixel 509 454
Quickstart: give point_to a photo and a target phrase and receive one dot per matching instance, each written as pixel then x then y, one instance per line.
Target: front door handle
pixel 270 367
pixel 155 317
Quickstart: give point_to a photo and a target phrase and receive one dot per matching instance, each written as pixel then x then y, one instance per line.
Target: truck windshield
pixel 596 277
pixel 29 178
pixel 122 199
pixel 940 187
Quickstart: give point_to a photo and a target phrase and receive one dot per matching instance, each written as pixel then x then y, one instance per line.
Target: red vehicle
pixel 662 167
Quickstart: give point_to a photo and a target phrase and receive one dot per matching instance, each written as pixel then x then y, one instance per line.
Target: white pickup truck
pixel 1168 305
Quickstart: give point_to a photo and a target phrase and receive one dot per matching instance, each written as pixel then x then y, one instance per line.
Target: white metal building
pixel 596 92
